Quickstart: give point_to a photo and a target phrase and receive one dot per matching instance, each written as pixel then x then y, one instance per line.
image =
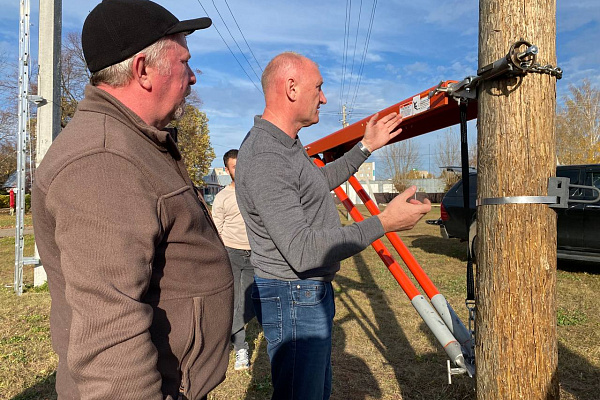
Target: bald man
pixel 293 225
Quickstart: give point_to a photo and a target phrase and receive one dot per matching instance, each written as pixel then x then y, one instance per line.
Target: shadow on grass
pixel 419 376
pixel 577 375
pixel 260 386
pixel 456 248
pixel 358 382
pixel 579 266
pixel 42 390
pixel 446 247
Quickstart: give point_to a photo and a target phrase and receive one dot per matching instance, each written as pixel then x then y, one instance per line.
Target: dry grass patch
pixel 382 349
pixel 8 221
pixel 27 361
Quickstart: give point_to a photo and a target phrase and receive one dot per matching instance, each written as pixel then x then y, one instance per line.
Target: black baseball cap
pixel 118 29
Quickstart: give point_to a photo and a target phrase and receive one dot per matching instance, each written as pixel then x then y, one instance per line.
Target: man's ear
pixel 291 89
pixel 140 72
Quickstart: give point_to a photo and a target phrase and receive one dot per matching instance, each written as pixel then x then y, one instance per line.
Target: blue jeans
pixel 297 318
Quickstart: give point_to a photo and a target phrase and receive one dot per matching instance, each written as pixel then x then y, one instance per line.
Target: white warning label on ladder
pixel 417 106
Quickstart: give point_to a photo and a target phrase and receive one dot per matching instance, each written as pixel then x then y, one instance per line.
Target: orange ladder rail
pixel 431 318
pixel 451 319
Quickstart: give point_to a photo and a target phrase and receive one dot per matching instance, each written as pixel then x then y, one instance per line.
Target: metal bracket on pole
pixel 37 100
pixel 560 187
pixel 492 201
pixel 558 195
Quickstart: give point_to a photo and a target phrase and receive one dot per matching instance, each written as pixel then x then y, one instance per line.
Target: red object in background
pixel 11 196
pixel 443 213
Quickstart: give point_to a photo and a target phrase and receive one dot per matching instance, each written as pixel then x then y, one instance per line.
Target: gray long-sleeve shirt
pixel 293 225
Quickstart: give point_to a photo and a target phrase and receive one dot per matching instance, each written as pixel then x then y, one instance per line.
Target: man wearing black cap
pixel 142 293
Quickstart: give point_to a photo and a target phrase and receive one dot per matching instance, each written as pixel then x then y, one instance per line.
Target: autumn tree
pixel 8 99
pixel 194 143
pixel 399 159
pixel 578 125
pixel 8 153
pixel 473 154
pixel 449 155
pixel 74 76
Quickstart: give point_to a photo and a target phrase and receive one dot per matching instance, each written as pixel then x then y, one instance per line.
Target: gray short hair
pixel 120 74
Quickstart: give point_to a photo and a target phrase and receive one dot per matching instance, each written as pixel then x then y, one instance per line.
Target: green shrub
pixel 5 201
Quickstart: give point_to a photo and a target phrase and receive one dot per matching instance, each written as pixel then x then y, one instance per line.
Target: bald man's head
pixel 279 66
pixel 292 87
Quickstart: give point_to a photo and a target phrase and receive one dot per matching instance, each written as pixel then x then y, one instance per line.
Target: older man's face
pixel 175 85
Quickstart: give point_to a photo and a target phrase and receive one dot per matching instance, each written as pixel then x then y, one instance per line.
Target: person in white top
pixel 231 227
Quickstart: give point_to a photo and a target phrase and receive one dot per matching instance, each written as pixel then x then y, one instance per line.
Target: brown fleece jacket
pixel 141 286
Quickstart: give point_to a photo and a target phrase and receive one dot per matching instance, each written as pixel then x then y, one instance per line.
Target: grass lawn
pixel 8 221
pixel 382 349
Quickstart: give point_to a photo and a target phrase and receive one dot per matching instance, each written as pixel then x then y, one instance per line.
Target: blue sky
pixel 412 46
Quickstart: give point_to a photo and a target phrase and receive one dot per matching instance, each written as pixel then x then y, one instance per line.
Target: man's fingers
pixel 395 133
pixel 390 120
pixel 394 121
pixel 408 193
pixel 392 124
pixel 373 119
pixel 389 117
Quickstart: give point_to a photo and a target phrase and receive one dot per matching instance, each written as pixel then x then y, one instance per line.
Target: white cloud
pixel 417 67
pixel 572 15
pixel 413 45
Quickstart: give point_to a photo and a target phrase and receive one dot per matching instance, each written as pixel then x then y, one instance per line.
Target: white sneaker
pixel 242 361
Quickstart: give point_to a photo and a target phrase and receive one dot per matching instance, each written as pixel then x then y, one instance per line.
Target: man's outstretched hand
pixel 402 213
pixel 379 132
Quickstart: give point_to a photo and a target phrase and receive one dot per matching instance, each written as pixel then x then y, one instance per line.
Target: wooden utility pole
pixel 516 349
pixel 48 116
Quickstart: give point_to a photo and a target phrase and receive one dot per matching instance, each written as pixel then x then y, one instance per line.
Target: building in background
pixel 383 190
pixel 216 180
pixel 366 172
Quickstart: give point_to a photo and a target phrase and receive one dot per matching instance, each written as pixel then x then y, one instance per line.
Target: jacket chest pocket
pixel 182 211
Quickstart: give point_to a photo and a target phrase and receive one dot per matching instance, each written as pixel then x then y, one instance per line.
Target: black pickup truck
pixel 578 225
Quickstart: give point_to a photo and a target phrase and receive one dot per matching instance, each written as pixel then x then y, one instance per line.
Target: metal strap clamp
pixel 517 200
pixel 558 196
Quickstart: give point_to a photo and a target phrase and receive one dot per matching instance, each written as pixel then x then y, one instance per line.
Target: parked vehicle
pixel 578 225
